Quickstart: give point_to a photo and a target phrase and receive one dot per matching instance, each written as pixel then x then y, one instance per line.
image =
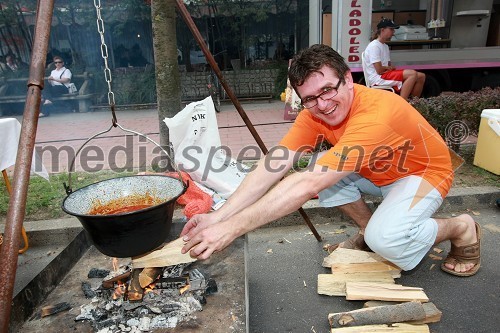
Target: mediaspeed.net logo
pixel 132 157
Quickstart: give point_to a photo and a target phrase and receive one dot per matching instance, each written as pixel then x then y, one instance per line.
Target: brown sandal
pixel 465 254
pixel 356 242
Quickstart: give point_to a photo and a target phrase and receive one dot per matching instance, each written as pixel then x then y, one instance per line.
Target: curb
pixel 458 200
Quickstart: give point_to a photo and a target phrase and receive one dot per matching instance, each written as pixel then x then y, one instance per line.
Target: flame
pixel 115 264
pixel 120 290
pixel 184 289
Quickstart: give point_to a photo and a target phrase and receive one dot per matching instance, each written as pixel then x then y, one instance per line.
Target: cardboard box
pixel 487 154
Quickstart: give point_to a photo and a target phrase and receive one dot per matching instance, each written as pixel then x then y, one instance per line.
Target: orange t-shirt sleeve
pixel 304 133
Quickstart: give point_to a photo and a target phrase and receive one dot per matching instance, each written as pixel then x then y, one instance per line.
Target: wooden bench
pixel 83 96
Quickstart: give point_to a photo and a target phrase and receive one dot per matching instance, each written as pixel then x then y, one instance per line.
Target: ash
pixel 162 307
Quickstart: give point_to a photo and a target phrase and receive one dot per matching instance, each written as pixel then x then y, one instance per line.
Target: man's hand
pixel 207 240
pixel 197 223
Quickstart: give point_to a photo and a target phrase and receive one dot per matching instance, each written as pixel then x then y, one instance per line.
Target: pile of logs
pixel 391 307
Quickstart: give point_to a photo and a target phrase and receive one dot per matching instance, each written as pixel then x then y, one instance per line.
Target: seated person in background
pixel 59 80
pixel 378 63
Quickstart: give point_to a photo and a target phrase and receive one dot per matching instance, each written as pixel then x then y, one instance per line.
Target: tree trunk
pixel 168 86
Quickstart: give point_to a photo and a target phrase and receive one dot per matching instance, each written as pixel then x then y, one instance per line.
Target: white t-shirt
pixel 63 72
pixel 376 52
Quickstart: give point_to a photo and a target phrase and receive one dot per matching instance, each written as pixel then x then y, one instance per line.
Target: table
pixel 418 44
pixel 10 131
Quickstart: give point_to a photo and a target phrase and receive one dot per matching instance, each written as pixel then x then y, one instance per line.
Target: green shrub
pixel 466 107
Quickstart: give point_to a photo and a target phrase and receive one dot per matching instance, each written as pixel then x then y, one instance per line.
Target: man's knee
pixel 379 240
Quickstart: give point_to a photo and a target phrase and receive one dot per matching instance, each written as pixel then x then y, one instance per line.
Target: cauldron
pixel 127 234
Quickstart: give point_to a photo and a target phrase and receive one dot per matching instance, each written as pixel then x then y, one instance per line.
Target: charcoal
pixel 104 323
pixel 194 304
pixel 170 307
pixel 211 287
pixel 87 290
pixel 197 279
pixel 154 309
pixel 86 312
pixel 133 322
pixel 53 309
pixel 128 306
pixel 164 322
pixel 174 270
pixel 124 328
pixel 97 273
pixel 144 323
pixel 200 298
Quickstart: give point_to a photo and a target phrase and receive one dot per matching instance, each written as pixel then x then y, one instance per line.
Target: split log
pixel 367 267
pixel 387 314
pixel 149 275
pixel 432 313
pixel 169 254
pixel 399 328
pixel 348 256
pixel 110 283
pixel 383 292
pixel 135 292
pixel 335 284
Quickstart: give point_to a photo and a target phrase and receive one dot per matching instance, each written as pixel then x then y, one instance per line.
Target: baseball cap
pixel 387 23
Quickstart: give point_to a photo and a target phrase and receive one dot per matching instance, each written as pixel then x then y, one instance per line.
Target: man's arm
pixel 382 69
pixel 286 197
pixel 269 170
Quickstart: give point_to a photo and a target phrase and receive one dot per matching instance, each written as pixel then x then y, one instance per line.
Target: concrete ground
pixel 284 263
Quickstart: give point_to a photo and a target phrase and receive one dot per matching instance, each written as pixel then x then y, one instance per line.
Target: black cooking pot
pixel 126 234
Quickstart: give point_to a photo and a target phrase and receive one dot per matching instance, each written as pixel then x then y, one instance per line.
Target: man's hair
pixel 311 60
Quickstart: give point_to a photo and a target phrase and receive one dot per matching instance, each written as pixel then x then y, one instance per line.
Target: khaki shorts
pixel 401 229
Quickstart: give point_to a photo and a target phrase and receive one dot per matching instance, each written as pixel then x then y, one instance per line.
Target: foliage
pixel 466 107
pixel 281 79
pixel 135 88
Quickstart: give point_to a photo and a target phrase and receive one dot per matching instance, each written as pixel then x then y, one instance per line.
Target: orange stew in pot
pixel 124 205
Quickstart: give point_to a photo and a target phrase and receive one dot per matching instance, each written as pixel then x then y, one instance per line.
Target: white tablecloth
pixel 10 130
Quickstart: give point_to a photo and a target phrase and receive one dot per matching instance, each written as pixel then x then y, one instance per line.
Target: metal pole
pixel 17 203
pixel 213 64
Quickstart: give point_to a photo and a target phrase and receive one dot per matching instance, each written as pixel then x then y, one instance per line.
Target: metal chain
pixel 104 54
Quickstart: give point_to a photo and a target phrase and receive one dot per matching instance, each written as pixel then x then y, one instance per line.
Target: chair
pixel 367 82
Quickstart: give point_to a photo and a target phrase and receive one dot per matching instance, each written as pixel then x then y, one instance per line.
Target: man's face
pixel 334 110
pixel 387 33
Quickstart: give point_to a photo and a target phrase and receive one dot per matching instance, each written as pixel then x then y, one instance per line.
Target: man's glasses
pixel 327 94
pixel 58 62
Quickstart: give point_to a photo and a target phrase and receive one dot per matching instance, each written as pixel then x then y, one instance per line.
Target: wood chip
pixel 435 257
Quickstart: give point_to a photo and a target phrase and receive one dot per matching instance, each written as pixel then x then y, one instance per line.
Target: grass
pixel 45 197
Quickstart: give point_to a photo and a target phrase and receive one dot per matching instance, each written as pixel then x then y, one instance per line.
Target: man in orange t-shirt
pixel 381 146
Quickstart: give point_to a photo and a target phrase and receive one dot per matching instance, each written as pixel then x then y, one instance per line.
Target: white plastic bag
pixel 194 135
